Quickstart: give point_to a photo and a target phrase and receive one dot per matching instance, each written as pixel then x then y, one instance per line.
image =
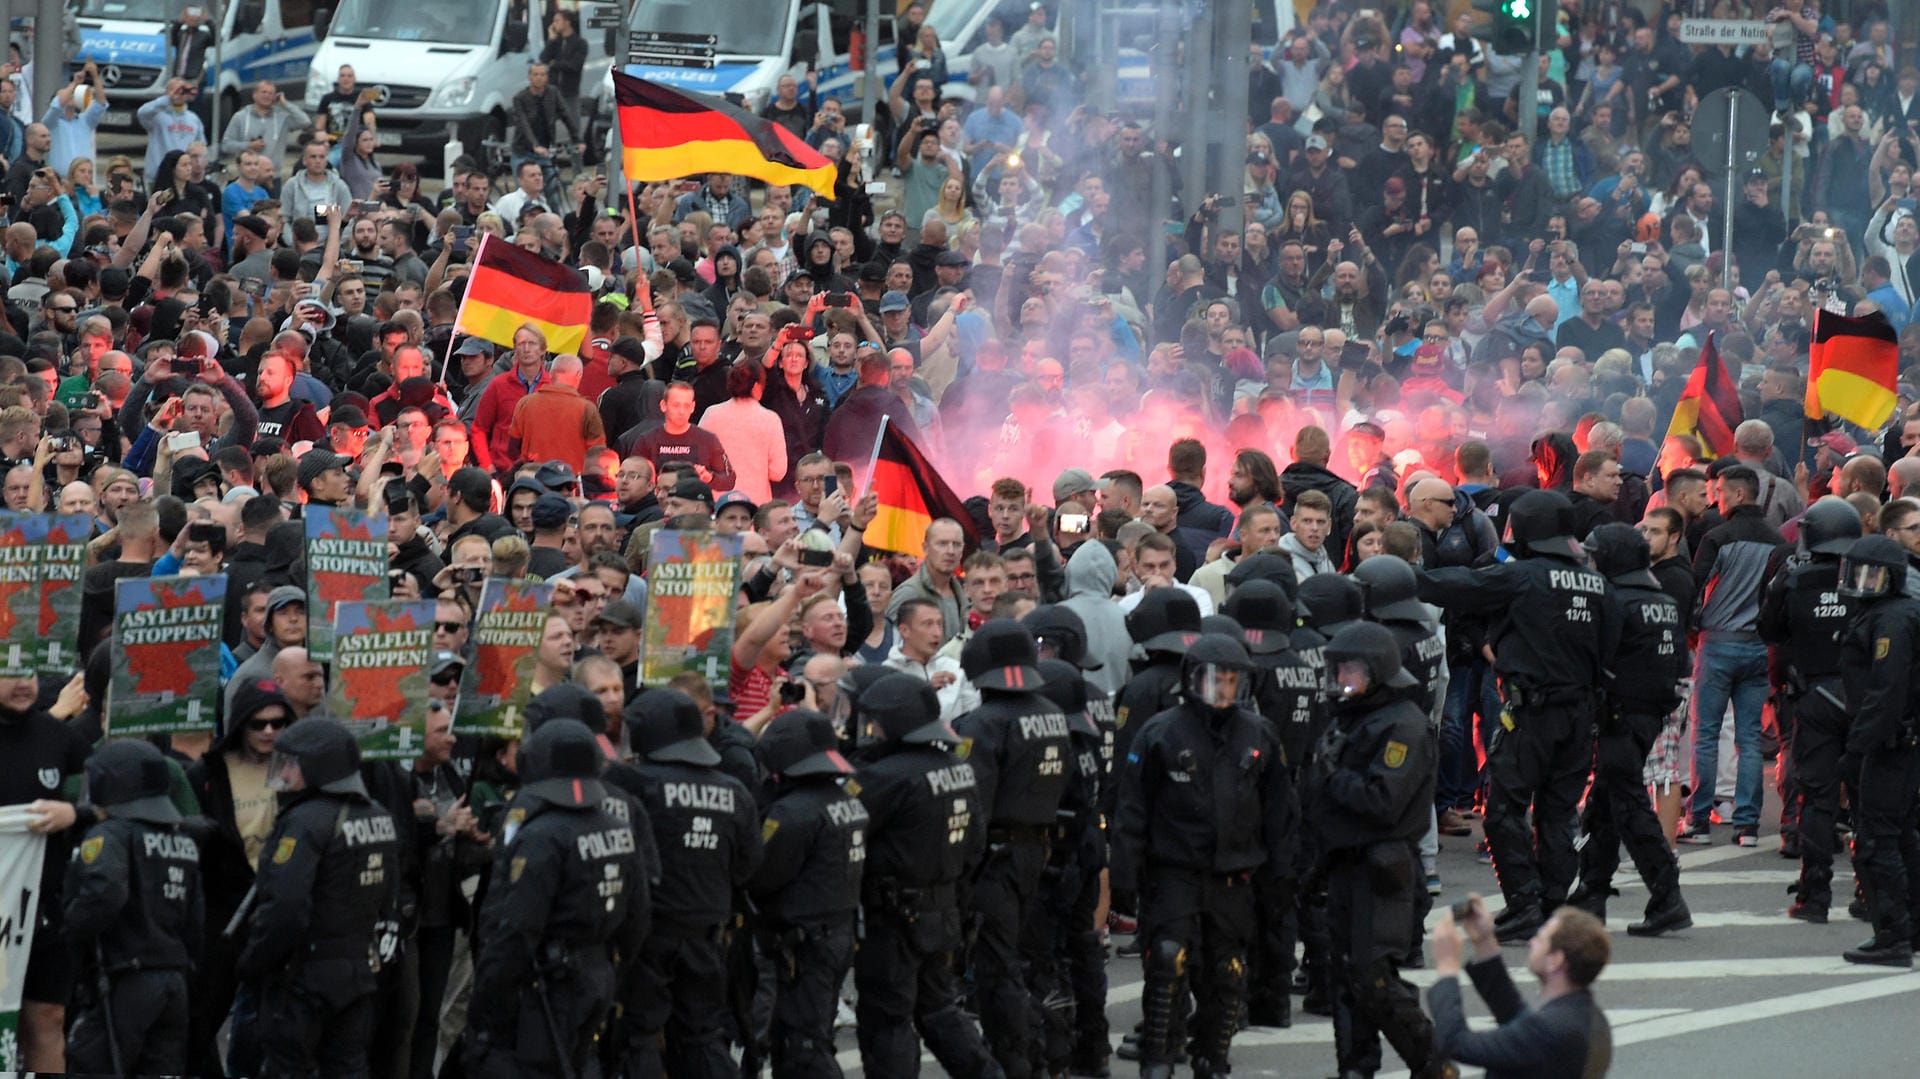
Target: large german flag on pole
pixel 509 287
pixel 912 496
pixel 1853 368
pixel 666 134
pixel 1709 407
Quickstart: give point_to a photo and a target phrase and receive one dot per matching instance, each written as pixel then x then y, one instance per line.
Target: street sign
pixel 1716 122
pixel 605 17
pixel 1725 32
pixel 668 49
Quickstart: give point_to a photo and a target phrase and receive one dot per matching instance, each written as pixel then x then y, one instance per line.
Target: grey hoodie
pixel 1306 563
pixel 1091 573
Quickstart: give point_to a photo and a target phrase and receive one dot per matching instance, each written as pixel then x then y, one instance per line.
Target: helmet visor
pixel 1213 685
pixel 1346 679
pixel 284 774
pixel 1866 579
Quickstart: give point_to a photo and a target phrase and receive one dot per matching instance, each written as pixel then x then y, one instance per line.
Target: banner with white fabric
pixel 22 853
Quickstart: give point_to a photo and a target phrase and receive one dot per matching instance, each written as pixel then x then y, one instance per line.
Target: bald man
pixel 1160 509
pixel 555 423
pixel 77 497
pixel 301 680
pixel 1903 476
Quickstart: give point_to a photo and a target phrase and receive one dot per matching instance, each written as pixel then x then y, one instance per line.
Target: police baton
pixel 240 915
pixel 562 1050
pixel 106 1008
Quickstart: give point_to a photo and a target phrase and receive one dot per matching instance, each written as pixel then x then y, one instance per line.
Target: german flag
pixel 666 134
pixel 912 496
pixel 508 287
pixel 1854 364
pixel 1709 407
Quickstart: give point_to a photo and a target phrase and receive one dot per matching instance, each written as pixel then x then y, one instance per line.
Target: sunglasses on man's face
pixel 275 723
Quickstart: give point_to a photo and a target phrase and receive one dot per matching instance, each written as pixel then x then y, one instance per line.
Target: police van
pixel 251 40
pixel 445 71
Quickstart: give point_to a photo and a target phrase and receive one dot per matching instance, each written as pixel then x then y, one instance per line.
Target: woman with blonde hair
pixel 81 186
pixel 953 208
pixel 1300 223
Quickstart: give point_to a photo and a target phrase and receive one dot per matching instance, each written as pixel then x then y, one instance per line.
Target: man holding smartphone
pixel 1565 1035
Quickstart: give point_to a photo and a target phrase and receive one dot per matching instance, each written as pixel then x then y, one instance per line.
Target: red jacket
pixel 495 415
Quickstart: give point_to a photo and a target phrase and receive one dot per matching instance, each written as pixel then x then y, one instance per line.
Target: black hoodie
pixel 1300 476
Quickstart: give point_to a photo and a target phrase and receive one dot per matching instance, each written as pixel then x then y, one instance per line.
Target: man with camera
pixel 1566 1034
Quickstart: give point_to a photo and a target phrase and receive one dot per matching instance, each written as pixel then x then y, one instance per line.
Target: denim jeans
pixel 1791 81
pixel 1470 691
pixel 1728 670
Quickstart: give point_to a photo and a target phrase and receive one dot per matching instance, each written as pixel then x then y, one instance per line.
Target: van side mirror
pixel 513 38
pixel 322 21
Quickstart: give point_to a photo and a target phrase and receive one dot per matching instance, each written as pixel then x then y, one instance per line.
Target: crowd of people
pixel 1354 527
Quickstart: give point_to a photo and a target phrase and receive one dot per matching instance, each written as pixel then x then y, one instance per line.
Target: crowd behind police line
pixel 193 368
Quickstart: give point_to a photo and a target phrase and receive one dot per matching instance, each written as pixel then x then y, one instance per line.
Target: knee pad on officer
pixel 1231 972
pixel 1167 958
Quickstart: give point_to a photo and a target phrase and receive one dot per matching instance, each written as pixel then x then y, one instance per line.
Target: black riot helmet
pixel 322 753
pixel 565 701
pixel 1829 527
pixel 802 742
pixel 1873 567
pixel 1224 624
pixel 560 764
pixel 1265 613
pixel 129 778
pixel 1621 555
pixel 1332 601
pixel 1001 656
pixel 1165 620
pixel 1393 593
pixel 1066 686
pixel 665 725
pixel 1214 674
pixel 1541 522
pixel 1372 646
pixel 904 709
pixel 1059 633
pixel 1265 566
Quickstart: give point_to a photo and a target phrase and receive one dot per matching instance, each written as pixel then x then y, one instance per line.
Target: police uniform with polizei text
pixel 1162 625
pixel 1286 691
pixel 1068 969
pixel 926 826
pixel 324 882
pixel 1553 635
pixel 807 889
pixel 1643 690
pixel 133 909
pixel 708 833
pixel 569 889
pixel 1372 783
pixel 1205 801
pixel 1021 754
pixel 1878 656
pixel 1804 616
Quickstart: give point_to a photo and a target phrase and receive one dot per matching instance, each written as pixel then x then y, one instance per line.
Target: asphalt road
pixel 1745 992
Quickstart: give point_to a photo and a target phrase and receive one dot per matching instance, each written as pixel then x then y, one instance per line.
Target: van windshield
pixel 452 22
pixel 134 10
pixel 746 27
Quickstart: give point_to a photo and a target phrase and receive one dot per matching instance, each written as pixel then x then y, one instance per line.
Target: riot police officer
pixel 326 878
pixel 569 884
pixel 1372 779
pixel 133 909
pixel 1018 745
pixel 807 888
pixel 1804 615
pixel 1393 593
pixel 1286 692
pixel 1332 602
pixel 1553 635
pixel 1644 690
pixel 925 828
pixel 1059 633
pixel 1205 802
pixel 1070 974
pixel 1878 655
pixel 707 830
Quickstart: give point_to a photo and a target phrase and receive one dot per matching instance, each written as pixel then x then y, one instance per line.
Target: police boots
pixel 1666 913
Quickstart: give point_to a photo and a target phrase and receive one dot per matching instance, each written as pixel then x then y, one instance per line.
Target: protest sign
pixel 379 686
pixel 19 604
pixel 166 654
pixel 62 563
pixel 22 855
pixel 346 562
pixel 691 580
pixel 496 686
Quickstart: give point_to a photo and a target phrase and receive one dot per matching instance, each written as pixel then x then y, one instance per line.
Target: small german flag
pixel 1709 407
pixel 912 496
pixel 1853 368
pixel 666 134
pixel 509 287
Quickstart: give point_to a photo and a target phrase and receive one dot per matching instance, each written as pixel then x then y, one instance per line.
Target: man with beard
pixel 1288 301
pixel 633 487
pixel 1357 307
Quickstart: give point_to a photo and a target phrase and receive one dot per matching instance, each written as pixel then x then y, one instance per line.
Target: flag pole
pixel 873 460
pixel 447 360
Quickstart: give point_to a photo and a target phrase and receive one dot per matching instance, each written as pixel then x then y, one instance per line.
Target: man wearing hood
pixel 286 627
pixel 1312 449
pixel 1200 521
pixel 1091 574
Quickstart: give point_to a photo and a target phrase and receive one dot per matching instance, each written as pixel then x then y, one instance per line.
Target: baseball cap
pixel 254 224
pixel 620 613
pixel 284 596
pixel 474 346
pixel 551 511
pixel 445 663
pixel 348 415
pixel 1756 175
pixel 894 300
pixel 1396 186
pixel 735 498
pixel 556 474
pixel 1076 481
pixel 471 484
pixel 1837 441
pixel 1316 142
pixel 318 461
pixel 691 489
pixel 950 257
pixel 683 271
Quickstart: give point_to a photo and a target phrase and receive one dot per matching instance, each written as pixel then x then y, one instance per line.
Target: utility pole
pixel 871 112
pixel 1233 33
pixel 49 59
pixel 1194 176
pixel 1166 82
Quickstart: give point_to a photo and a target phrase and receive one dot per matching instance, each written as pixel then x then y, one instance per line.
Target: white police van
pixel 128 39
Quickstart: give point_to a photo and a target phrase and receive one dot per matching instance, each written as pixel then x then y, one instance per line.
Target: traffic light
pixel 1512 24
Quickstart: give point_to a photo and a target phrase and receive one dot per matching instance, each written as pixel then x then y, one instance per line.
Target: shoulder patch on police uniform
pixel 1396 754
pixel 1880 647
pixel 766 830
pixel 1120 716
pixel 90 850
pixel 514 869
pixel 852 787
pixel 964 749
pixel 516 816
pixel 283 853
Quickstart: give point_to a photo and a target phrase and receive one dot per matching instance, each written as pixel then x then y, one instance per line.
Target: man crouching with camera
pixel 1567 1026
